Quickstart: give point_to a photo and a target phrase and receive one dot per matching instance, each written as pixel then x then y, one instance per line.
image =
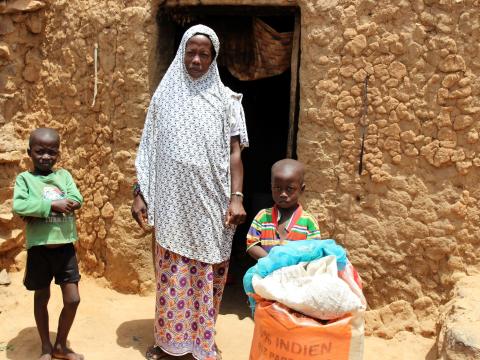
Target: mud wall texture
pixel 410 220
pixel 47 68
pixel 47 78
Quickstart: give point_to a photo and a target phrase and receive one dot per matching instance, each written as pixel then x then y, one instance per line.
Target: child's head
pixel 287 182
pixel 43 149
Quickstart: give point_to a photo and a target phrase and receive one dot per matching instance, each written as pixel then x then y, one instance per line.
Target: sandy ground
pixel 110 325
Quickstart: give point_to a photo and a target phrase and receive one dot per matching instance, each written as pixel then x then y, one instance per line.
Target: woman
pixel 189 187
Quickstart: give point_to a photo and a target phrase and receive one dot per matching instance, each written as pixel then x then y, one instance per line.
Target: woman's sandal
pixel 155 353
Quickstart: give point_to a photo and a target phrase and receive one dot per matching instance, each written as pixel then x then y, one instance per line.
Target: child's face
pixel 286 189
pixel 44 154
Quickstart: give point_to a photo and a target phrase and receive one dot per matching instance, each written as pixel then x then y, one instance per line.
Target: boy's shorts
pixel 43 264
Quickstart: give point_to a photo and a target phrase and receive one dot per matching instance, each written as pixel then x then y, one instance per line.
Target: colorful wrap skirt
pixel 187 304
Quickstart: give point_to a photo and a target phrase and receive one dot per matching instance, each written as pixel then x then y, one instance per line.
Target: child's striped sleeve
pixel 255 232
pixel 313 228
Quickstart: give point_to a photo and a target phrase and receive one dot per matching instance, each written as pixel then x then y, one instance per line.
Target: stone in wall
pixel 20 6
pixel 459 338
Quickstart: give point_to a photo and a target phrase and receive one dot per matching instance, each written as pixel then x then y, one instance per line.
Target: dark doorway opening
pixel 267 103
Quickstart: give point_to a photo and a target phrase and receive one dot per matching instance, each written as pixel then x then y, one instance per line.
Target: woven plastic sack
pixel 282 334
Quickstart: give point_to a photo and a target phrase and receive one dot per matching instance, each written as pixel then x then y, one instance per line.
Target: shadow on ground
pixel 26 345
pixel 138 335
pixel 432 354
pixel 234 299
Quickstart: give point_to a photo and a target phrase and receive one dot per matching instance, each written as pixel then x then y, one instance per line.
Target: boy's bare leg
pixel 40 310
pixel 71 299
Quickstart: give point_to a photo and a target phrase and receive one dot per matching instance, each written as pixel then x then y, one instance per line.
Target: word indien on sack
pixel 308 304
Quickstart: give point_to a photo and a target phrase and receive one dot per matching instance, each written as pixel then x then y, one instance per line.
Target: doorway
pixel 270 102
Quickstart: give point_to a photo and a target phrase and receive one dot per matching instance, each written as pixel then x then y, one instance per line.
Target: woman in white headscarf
pixel 190 176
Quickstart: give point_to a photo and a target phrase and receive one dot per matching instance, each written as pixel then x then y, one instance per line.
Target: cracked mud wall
pixel 47 79
pixel 410 220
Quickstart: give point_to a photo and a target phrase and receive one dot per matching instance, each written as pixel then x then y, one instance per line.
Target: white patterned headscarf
pixel 183 161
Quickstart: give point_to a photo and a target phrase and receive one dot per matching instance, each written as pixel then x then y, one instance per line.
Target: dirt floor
pixel 110 325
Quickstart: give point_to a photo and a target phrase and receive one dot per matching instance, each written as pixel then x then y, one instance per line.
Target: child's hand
pixel 64 206
pixel 76 205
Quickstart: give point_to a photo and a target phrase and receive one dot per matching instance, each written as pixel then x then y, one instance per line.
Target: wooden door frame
pixel 258 7
pixel 294 90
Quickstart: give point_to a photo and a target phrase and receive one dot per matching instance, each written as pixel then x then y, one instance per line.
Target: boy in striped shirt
pixel 286 220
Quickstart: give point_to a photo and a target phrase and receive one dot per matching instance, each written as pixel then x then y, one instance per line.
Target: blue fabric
pixel 292 253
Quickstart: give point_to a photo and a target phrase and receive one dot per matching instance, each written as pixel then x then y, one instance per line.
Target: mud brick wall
pixel 47 79
pixel 410 220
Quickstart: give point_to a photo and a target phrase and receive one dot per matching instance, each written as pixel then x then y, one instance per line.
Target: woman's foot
pixel 60 352
pixel 155 353
pixel 46 356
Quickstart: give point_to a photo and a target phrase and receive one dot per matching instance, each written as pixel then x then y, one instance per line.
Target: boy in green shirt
pixel 46 199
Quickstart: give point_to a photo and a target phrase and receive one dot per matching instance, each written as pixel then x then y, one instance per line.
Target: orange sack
pixel 283 334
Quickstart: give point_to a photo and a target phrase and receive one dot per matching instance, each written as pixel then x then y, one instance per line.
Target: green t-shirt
pixel 33 196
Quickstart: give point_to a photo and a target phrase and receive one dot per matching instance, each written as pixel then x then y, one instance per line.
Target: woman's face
pixel 198 55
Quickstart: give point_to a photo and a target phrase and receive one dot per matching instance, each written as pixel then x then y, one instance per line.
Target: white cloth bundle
pixel 313 289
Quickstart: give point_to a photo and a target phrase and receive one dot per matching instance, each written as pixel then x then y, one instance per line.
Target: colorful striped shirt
pixel 263 231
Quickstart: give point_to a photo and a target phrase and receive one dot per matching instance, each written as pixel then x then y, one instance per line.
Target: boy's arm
pixel 72 192
pixel 256 252
pixel 24 205
pixel 254 248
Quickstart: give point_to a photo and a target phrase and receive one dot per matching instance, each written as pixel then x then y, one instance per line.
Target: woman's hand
pixel 236 213
pixel 139 211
